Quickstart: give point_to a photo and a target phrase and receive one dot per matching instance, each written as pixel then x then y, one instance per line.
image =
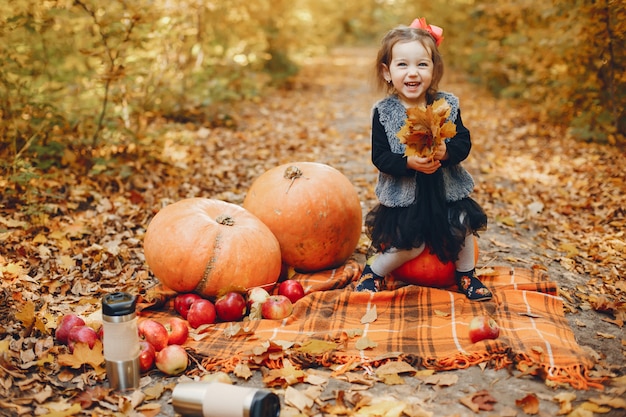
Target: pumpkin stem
pixel 225 219
pixel 292 173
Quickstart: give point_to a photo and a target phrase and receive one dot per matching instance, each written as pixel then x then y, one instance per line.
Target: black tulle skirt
pixel 442 225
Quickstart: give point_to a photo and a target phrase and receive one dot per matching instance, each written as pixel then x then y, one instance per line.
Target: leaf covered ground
pixel 72 235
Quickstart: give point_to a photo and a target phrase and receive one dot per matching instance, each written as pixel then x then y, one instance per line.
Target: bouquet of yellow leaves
pixel 425 128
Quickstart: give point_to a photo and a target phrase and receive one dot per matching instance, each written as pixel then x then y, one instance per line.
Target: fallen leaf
pixel 391 379
pixel 359 378
pixel 66 412
pixel 484 400
pixel 385 408
pixel 236 329
pixel 442 379
pixel 395 367
pixel 87 397
pixel 315 379
pixel 468 401
pixel 565 402
pixel 298 399
pixel 83 355
pixel 440 313
pixel 316 347
pixel 529 404
pixel 370 316
pixel 154 391
pixel 365 343
pixel 613 402
pixel 242 370
pixel 595 408
pixel 26 314
pixel 149 410
pixel 285 376
pixel 581 412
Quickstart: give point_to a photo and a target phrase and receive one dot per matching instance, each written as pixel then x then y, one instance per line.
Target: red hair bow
pixel 435 31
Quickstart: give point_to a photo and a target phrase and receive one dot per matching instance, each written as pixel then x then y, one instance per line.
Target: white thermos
pixel 120 340
pixel 215 399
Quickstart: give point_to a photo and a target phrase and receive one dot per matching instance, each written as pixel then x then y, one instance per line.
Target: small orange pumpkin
pixel 427 270
pixel 209 247
pixel 313 210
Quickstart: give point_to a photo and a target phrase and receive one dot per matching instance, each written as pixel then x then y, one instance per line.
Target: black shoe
pixel 472 287
pixel 369 281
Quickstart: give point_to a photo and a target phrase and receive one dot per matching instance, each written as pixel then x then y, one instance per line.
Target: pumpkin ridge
pixel 210 264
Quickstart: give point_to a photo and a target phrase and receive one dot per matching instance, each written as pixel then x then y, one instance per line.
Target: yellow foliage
pixel 425 128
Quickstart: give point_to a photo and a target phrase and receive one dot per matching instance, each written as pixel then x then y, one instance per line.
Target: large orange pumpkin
pixel 313 210
pixel 210 246
pixel 428 271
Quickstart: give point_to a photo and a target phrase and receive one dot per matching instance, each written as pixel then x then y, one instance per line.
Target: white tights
pixel 384 263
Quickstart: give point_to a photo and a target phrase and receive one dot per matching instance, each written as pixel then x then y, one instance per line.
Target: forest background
pixel 110 110
pixel 81 82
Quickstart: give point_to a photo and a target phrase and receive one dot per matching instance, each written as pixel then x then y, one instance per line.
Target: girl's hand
pixel 441 153
pixel 425 165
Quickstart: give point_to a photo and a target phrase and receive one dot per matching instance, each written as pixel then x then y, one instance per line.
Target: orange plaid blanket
pixel 423 326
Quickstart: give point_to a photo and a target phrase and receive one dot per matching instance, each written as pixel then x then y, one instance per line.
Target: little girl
pixel 422 201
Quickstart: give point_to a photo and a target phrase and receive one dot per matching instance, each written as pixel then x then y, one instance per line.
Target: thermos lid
pixel 118 304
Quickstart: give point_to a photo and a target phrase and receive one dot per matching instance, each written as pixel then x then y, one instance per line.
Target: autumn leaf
pixel 242 370
pixel 442 379
pixel 149 410
pixel 594 408
pixel 440 313
pixel 87 397
pixel 425 128
pixel 236 329
pixel 154 391
pixel 316 347
pixel 480 400
pixel 298 399
pixel 72 410
pixel 285 376
pixel 529 404
pixel 382 408
pixel 339 408
pixel 83 355
pixel 565 402
pixel 395 367
pixel 26 314
pixel 365 343
pixel 370 316
pixel 391 379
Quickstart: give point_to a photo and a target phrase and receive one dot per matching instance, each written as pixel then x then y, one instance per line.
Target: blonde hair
pixel 408 34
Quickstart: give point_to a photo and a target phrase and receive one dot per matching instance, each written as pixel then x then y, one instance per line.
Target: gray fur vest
pixel 393 191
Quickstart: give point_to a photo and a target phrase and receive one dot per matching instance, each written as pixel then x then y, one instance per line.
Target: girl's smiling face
pixel 410 71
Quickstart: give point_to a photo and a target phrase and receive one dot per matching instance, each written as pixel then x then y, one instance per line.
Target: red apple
pixel 201 312
pixel 65 325
pixel 147 356
pixel 276 307
pixel 483 327
pixel 172 360
pixel 291 289
pixel 81 334
pixel 153 332
pixel 177 331
pixel 182 302
pixel 231 307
